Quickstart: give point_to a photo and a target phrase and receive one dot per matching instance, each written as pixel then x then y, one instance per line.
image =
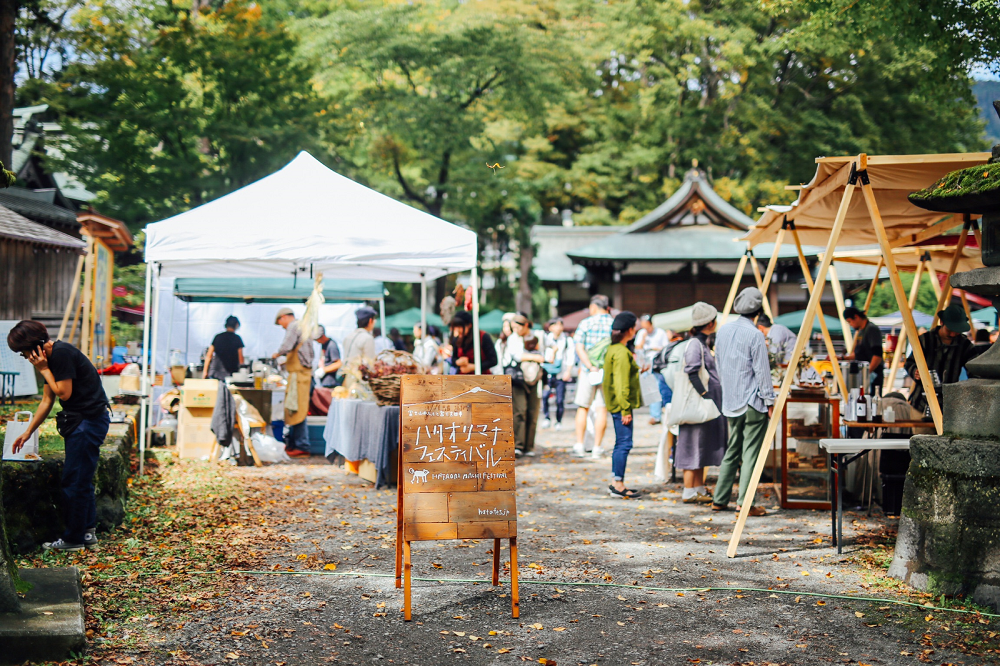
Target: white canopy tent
pixel 302 221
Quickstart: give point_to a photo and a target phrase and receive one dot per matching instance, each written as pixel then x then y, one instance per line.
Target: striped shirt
pixel 741 354
pixel 594 329
pixel 781 342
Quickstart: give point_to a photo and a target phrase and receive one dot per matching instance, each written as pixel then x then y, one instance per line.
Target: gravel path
pixel 571 533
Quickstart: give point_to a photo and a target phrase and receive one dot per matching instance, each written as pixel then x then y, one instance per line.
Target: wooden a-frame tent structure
pixel 827 213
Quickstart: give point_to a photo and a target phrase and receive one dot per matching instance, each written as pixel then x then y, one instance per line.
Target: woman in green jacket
pixel 621 395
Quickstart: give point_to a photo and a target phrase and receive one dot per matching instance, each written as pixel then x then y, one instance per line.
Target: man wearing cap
pixel 747 397
pixel 947 351
pixel 298 352
pixel 326 373
pixel 868 348
pixel 359 345
pixel 594 330
pixel 780 339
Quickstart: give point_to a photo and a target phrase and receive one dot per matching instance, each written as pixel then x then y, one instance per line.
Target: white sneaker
pixel 597 453
pixel 579 451
pixel 558 425
pixel 545 424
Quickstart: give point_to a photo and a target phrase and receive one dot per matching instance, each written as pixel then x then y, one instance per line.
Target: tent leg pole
pixel 946 289
pixel 733 289
pixel 475 318
pixel 381 315
pixel 144 444
pixel 72 296
pixel 968 313
pixel 871 287
pixel 170 327
pixel 423 305
pixel 786 383
pixel 827 338
pixel 897 354
pixel 760 285
pixel 144 386
pixel 897 288
pixel 187 332
pixel 838 297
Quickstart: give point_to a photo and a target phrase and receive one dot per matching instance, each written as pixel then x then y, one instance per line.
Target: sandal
pixel 628 493
pixel 720 507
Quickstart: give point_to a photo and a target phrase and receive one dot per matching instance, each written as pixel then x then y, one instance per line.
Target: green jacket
pixel 621 380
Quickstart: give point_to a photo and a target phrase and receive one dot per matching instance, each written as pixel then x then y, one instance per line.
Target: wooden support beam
pixel 871 287
pixel 786 385
pixel 935 283
pixel 939 228
pixel 968 312
pixel 733 289
pixel 760 285
pixel 946 289
pixel 838 297
pixel 827 338
pixel 901 340
pixel 773 263
pixel 74 290
pixel 901 300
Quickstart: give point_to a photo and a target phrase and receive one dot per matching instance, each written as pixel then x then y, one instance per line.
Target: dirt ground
pixel 576 546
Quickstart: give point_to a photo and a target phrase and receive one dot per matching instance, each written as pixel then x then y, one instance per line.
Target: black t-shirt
pixel 88 397
pixel 227 347
pixel 869 345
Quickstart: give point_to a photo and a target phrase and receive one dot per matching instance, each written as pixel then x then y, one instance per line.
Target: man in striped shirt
pixel 747 397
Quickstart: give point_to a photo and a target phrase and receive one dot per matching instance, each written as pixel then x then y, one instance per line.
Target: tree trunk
pixel 8 67
pixel 9 601
pixel 523 299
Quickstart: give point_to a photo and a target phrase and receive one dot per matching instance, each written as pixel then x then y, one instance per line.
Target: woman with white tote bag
pixel 701 439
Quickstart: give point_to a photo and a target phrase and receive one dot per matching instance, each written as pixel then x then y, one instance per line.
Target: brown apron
pixel 302 376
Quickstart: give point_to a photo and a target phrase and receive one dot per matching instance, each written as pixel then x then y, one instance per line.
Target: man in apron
pixel 298 352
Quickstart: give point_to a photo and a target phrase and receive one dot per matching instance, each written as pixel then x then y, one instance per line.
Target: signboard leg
pixel 399 504
pixel 406 581
pixel 515 609
pixel 496 562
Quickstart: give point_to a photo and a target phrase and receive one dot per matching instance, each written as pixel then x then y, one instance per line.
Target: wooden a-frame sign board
pixel 455 476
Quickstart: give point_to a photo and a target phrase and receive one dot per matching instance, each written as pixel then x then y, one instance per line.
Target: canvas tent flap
pixel 893 178
pixel 907 258
pixel 307 218
pixel 273 290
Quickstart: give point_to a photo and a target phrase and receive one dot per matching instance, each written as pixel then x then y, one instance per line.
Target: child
pixel 621 395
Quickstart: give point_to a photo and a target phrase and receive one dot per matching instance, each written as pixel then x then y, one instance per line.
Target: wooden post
pixel 407 615
pixel 76 320
pixel 968 312
pixel 399 504
pixel 901 341
pixel 773 263
pixel 800 344
pixel 72 296
pixel 88 289
pixel 827 338
pixel 496 562
pixel 515 607
pixel 897 288
pixel 935 283
pixel 838 297
pixel 760 285
pixel 871 287
pixel 946 289
pixel 733 289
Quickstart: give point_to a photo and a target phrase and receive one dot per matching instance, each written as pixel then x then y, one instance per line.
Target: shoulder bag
pixel 688 407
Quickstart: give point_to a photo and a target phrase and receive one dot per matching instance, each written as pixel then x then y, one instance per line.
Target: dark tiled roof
pixel 21 228
pixel 35 208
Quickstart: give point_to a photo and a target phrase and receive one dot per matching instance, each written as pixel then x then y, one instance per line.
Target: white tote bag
pixel 15 429
pixel 688 407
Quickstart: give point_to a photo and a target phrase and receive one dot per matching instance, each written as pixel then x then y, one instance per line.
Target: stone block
pixel 972 408
pixel 981 281
pixel 50 625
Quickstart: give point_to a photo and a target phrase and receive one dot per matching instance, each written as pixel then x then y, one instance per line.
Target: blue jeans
pixel 666 395
pixel 623 444
pixel 558 387
pixel 83 450
pixel 297 437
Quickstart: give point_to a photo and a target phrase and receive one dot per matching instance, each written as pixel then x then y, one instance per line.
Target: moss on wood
pixel 977 180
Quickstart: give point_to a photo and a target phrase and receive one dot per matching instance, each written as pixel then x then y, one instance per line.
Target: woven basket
pixel 386 389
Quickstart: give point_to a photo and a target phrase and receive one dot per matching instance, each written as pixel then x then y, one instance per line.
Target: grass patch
pixel 182 519
pixel 49 440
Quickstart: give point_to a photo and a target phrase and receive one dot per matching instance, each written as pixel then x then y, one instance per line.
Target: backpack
pixel 670 361
pixel 598 352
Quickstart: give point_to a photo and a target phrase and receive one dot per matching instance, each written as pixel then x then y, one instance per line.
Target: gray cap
pixel 703 313
pixel 282 312
pixel 748 301
pixel 365 312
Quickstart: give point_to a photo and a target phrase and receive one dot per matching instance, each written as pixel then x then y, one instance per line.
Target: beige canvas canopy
pixel 892 178
pixel 909 257
pixel 829 213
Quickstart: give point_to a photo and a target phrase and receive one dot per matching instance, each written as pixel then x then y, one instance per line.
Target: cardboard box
pixel 199 392
pixel 195 438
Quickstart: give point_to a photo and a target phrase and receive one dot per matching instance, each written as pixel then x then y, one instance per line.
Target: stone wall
pixel 32 497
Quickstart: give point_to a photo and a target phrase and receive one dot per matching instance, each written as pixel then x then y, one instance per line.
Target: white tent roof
pixel 304 217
